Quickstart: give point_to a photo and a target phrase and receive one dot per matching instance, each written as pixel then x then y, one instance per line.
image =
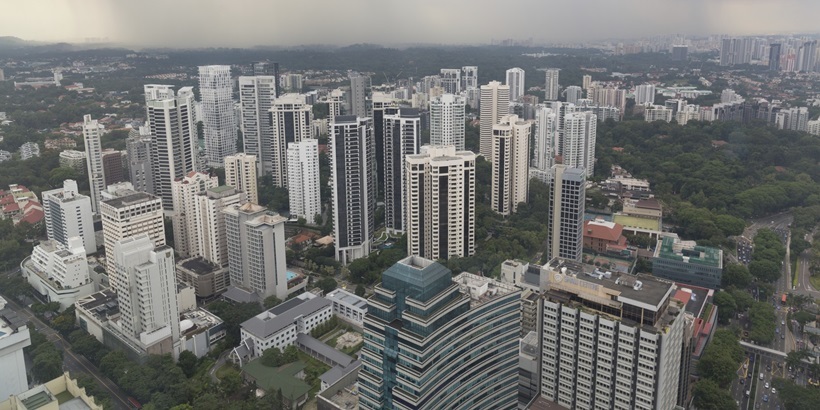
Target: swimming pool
pixel 291 275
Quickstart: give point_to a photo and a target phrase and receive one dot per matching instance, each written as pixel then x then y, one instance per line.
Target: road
pixel 784 339
pixel 803 284
pixel 72 363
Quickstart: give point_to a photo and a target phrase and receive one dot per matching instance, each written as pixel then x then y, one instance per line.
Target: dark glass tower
pixel 437 342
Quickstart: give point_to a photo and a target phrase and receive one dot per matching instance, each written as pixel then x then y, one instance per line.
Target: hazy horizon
pixel 247 23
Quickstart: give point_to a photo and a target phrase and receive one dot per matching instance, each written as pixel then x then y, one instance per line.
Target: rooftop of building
pixel 529 344
pixel 283 377
pixel 640 288
pixel 604 230
pixel 346 119
pixel 198 265
pixel 61 393
pixel 694 298
pixel 672 248
pixel 10 321
pixel 423 277
pixel 128 199
pixel 650 203
pixel 344 296
pixel 649 224
pixel 197 321
pixel 323 349
pixel 346 398
pixel 279 317
pixel 102 304
pixel 482 289
pixel 221 189
pixel 240 295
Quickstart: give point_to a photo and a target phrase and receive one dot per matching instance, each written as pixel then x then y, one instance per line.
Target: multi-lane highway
pixel 771 365
pixel 804 286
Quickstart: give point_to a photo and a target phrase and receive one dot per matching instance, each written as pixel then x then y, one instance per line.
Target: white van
pixel 761 376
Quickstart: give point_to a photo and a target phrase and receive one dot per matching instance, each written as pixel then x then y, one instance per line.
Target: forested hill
pixel 708 174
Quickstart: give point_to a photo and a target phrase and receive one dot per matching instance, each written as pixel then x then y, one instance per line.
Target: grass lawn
pixel 225 369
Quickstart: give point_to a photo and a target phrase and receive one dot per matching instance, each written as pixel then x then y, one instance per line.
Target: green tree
pixel 187 361
pixel 743 299
pixel 327 285
pixel 230 384
pixel 765 270
pixel 763 322
pixel 727 307
pixel 795 357
pixel 709 396
pixel 360 290
pixel 47 363
pixel 272 357
pixel 796 397
pixel 737 275
pixel 291 354
pixel 721 358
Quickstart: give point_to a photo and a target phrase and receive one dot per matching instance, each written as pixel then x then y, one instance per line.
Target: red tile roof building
pixel 604 237
pixel 21 205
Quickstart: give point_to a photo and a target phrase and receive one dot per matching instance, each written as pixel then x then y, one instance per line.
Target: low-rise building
pixel 207 278
pixel 279 326
pixel 199 330
pixel 641 217
pixel 99 315
pixel 348 307
pixel 288 378
pixel 60 143
pixel 62 392
pixel 73 159
pixel 59 273
pixel 21 205
pixel 621 184
pixel 29 150
pixel 605 237
pixel 688 263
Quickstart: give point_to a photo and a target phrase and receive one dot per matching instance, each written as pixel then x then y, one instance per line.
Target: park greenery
pixel 709 188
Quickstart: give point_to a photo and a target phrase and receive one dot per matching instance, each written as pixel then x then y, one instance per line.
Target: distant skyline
pixel 245 23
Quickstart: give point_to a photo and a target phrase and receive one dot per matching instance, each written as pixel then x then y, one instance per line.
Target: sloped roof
pixel 598 229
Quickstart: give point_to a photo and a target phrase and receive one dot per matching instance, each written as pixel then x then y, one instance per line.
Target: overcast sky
pixel 241 23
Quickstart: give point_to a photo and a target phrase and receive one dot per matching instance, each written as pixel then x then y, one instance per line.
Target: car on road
pixel 774 390
pixel 748 392
pixel 782 336
pixel 783 322
pixel 766 386
pixel 766 398
pixel 761 376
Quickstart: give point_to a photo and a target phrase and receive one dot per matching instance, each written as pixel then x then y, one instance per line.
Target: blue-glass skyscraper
pixel 433 341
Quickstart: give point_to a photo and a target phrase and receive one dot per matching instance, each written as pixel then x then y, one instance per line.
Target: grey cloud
pixel 218 23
